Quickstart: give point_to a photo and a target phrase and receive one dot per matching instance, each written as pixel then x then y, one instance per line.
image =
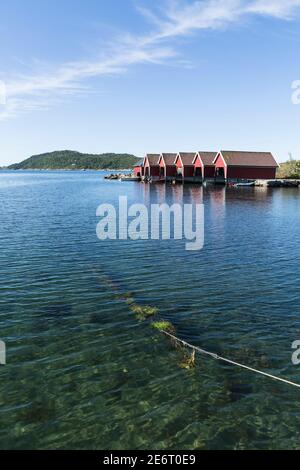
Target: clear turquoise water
pixel 82 372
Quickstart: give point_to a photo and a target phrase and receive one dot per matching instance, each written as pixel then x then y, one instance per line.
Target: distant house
pixel 231 165
pixel 204 165
pixel 151 166
pixel 168 170
pixel 139 169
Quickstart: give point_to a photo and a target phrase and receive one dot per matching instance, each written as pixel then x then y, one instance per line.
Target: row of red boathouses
pixel 223 166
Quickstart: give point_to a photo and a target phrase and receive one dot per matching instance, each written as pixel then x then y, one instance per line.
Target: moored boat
pixel 129 178
pixel 244 185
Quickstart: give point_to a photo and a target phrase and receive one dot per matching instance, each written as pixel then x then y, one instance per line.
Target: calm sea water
pixel 82 372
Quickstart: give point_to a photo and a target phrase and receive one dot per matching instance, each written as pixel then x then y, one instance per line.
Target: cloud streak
pixel 179 19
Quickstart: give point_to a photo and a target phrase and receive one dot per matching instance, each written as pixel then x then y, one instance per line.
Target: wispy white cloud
pixel 179 18
pixel 42 90
pixel 284 9
pixel 184 18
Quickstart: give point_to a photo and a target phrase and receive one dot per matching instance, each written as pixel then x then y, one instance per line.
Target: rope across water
pixel 220 358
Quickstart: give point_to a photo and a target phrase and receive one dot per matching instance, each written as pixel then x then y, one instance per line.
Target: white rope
pixel 220 358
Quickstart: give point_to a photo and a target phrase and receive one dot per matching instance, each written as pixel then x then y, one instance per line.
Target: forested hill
pixel 69 160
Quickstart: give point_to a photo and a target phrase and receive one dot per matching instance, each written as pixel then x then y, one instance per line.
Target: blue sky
pixel 128 76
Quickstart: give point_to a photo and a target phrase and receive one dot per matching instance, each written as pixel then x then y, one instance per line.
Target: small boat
pixel 129 178
pixel 242 185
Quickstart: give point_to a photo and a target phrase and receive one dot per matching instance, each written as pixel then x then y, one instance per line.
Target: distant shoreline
pixel 68 169
pixel 69 160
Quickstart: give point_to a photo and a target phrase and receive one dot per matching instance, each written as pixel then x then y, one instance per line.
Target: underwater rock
pixel 57 310
pixel 238 391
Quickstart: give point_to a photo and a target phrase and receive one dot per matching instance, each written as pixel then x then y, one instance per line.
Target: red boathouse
pixel 204 164
pixel 168 170
pixel 139 170
pixel 232 166
pixel 185 167
pixel 151 166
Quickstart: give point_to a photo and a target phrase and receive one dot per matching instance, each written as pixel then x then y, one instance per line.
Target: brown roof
pixel 153 158
pixel 187 158
pixel 263 159
pixel 207 157
pixel 169 158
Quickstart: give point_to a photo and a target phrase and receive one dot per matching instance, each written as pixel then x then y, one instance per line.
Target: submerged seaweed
pixel 143 312
pixel 189 361
pixel 164 325
pixel 38 412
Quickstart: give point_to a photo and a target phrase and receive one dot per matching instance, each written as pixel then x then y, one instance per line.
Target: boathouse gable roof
pixel 168 158
pixel 187 158
pixel 254 159
pixel 208 158
pixel 153 159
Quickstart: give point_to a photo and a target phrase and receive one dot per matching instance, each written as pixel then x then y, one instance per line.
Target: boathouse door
pixel 198 172
pixel 220 174
pixel 179 174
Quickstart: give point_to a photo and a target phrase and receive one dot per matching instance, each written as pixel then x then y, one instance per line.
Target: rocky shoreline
pixel 278 183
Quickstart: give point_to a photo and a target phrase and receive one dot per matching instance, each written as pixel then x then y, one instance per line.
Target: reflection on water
pixel 83 372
